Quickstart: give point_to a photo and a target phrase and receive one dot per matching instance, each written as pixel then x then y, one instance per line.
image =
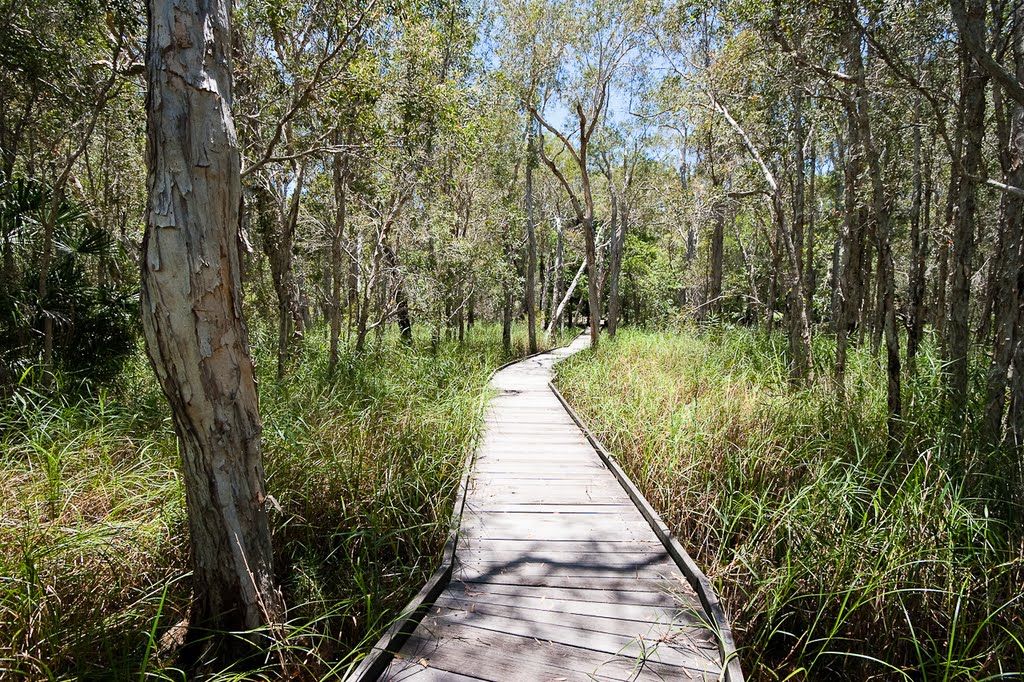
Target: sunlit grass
pixel 834 560
pixel 93 534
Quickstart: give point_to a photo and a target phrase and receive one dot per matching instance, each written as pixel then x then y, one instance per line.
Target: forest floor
pixel 93 533
pixel 834 559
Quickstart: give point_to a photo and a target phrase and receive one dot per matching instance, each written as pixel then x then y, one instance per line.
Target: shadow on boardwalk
pixel 557 575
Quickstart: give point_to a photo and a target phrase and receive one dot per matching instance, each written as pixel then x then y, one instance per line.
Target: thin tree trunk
pixel 531 242
pixel 593 294
pixel 851 268
pixel 886 270
pixel 1009 268
pixel 810 274
pixel 401 297
pixel 192 316
pixel 958 336
pixel 337 259
pixel 920 207
pixel 799 162
pixel 717 246
pixel 615 267
pixel 556 280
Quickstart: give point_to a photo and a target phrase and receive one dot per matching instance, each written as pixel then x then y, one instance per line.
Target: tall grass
pixel 835 560
pixel 94 579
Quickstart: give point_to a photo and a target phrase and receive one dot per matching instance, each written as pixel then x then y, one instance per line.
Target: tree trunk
pixel 277 228
pixel 958 335
pixel 886 270
pixel 717 246
pixel 851 266
pixel 506 321
pixel 192 316
pixel 556 281
pixel 1009 267
pixel 553 328
pixel 531 243
pixel 810 274
pixel 337 259
pixel 401 297
pixel 797 306
pixel 593 294
pixel 615 267
pixel 919 210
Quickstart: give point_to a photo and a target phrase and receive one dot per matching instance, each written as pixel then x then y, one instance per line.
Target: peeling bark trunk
pixel 277 227
pixel 192 316
pixel 797 307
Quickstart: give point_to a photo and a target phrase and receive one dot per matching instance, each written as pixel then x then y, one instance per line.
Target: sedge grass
pixel 835 560
pixel 94 577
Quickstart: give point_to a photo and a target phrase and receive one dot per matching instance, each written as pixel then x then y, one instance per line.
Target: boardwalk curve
pixel 559 570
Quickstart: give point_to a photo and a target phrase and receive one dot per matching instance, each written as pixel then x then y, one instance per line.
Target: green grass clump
pixel 834 559
pixel 94 580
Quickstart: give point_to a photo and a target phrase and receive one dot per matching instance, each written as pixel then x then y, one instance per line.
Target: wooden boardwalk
pixel 557 574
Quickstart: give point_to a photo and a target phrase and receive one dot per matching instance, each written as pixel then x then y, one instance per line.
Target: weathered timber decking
pixel 557 574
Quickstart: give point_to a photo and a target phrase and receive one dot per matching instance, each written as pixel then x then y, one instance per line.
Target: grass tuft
pixel 835 561
pixel 94 580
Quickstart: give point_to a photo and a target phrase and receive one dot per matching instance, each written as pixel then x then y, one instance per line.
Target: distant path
pixel 557 574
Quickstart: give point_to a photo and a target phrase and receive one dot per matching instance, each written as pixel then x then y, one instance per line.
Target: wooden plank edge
pixel 373 665
pixel 700 583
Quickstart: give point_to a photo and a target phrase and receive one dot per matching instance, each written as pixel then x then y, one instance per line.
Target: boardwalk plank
pixel 649 643
pixel 557 576
pixel 512 658
pixel 651 624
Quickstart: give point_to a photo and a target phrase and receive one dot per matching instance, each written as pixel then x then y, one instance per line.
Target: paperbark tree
pixel 531 240
pixel 1010 125
pixel 972 93
pixel 192 316
pixel 802 367
pixel 583 201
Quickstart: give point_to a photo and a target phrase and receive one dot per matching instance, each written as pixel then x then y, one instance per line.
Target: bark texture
pixel 192 313
pixel 973 97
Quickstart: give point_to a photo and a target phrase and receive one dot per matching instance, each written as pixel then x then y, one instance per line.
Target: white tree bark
pixel 192 314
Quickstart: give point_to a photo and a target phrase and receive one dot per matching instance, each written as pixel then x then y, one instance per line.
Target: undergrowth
pixel 94 580
pixel 834 559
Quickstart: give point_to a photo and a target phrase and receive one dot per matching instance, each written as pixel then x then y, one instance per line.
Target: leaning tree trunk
pixel 192 315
